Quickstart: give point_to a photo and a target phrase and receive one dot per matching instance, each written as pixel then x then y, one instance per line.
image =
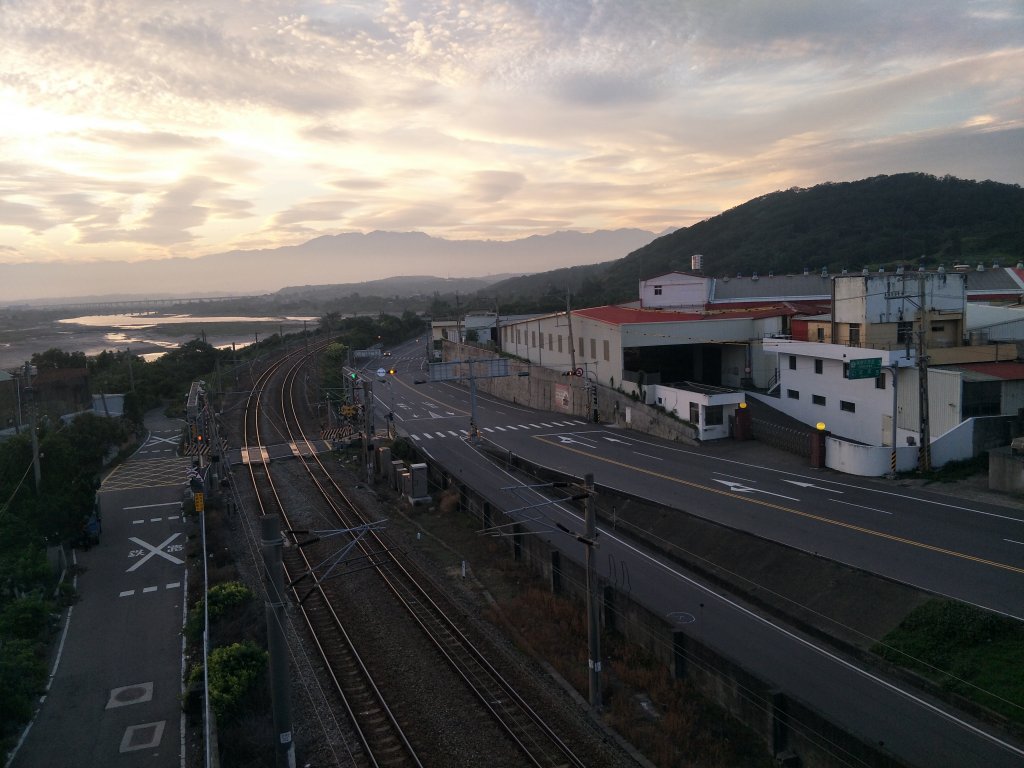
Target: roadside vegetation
pixel 964 650
pixel 34 524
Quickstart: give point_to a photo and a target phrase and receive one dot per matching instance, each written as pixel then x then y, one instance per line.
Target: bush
pixel 225 599
pixel 237 680
pixel 22 674
pixel 26 618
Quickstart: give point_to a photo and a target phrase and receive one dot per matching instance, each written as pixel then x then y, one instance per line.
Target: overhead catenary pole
pixel 368 429
pixel 593 625
pixel 272 543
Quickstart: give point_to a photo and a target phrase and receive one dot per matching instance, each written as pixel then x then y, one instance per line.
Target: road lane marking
pixel 812 485
pixel 1014 542
pixel 790 510
pixel 736 477
pixel 647 455
pixel 861 506
pixel 740 488
pixel 150 506
pixel 868 489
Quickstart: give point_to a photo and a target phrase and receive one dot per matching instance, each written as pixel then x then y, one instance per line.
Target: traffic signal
pixel 391 371
pixel 353 376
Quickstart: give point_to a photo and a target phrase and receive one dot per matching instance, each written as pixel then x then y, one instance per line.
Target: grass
pixel 965 650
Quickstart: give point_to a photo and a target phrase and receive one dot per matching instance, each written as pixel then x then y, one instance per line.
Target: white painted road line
pixel 150 506
pixel 861 506
pixel 127 593
pixel 1015 542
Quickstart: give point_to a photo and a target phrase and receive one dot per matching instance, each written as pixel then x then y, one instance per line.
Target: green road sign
pixel 869 368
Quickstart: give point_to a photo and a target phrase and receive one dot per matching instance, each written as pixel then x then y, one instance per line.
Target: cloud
pixel 314 210
pixel 493 186
pixel 162 129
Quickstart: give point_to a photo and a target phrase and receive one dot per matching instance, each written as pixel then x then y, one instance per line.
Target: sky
pixel 135 130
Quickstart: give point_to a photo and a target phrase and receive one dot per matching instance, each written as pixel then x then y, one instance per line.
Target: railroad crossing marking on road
pixel 157 550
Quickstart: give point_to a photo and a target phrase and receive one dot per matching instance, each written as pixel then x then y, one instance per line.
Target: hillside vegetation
pixel 910 218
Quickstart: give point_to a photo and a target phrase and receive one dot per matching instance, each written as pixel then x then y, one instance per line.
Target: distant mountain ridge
pixel 330 259
pixel 911 218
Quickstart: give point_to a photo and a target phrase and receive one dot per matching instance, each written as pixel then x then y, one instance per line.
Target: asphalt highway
pixel 968 551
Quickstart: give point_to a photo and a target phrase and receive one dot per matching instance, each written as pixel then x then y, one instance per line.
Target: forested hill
pixel 884 220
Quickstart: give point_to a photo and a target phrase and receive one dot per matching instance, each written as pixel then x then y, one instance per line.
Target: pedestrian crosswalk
pixel 463 433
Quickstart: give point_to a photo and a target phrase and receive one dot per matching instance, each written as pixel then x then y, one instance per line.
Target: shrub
pixel 25 618
pixel 237 677
pixel 226 599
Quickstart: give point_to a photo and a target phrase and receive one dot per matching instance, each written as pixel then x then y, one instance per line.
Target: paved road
pixel 787 504
pixel 114 697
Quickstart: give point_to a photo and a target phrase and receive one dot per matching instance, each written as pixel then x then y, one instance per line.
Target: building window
pixel 792 394
pixel 694 413
pixel 593 349
pixel 579 347
pixel 981 398
pixel 818 399
pixel 854 334
pixel 880 381
pixel 713 416
pixel 819 366
pixel 551 344
pixel 821 334
pixel 904 332
pixel 847 406
pixel 517 337
pixel 792 362
pixel 657 290
pixel 559 343
pixel 938 328
pixel 607 349
pixel 533 338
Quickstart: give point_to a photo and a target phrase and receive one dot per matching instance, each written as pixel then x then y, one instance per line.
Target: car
pixel 387 354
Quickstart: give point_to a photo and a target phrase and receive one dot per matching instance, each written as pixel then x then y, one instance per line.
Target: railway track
pixel 383 740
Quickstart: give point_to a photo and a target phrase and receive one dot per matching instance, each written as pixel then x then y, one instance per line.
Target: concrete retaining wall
pixel 817 742
pixel 547 390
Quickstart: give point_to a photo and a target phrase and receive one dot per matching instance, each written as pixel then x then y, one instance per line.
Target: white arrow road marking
pixel 740 488
pixel 157 550
pixel 616 440
pixel 812 485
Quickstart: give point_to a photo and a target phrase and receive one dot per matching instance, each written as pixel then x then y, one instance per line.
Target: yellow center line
pixel 790 510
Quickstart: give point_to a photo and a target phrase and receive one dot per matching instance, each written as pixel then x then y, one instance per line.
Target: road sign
pixel 868 368
pixel 198 500
pixel 578 372
pixel 381 373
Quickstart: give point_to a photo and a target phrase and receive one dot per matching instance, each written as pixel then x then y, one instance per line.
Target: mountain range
pixel 910 218
pixel 331 259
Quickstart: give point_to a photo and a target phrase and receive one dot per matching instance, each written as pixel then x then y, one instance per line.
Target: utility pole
pixel 31 399
pixel 131 375
pixel 272 545
pixel 572 344
pixel 924 450
pixel 593 600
